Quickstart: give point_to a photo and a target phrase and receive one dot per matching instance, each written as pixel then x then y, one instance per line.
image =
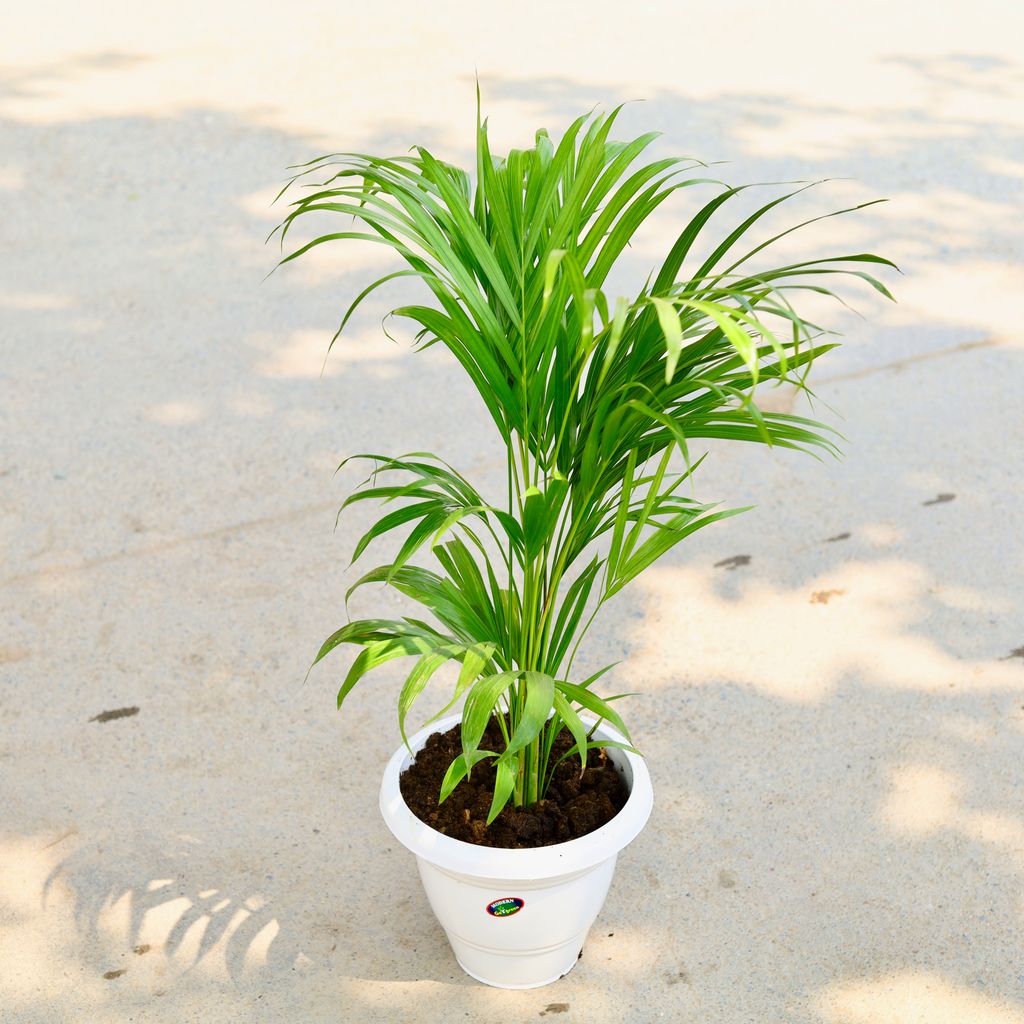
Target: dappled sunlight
pixel 26 862
pixel 259 204
pixel 1003 166
pixel 253 405
pixel 965 729
pixel 822 134
pixel 35 950
pixel 985 295
pixel 922 799
pixel 176 413
pixel 326 265
pixel 925 798
pixel 830 134
pixel 259 946
pixel 304 354
pixel 66 944
pixel 997 829
pixel 117 889
pixel 968 599
pixel 12 179
pixel 118 61
pixel 942 212
pixel 58 575
pixel 882 535
pixel 799 643
pixel 34 301
pixel 912 997
pixel 969 74
pixel 381 994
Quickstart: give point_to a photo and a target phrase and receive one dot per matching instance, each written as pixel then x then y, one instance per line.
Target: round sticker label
pixel 506 906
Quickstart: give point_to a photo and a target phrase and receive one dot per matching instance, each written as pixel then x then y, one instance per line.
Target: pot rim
pixel 539 863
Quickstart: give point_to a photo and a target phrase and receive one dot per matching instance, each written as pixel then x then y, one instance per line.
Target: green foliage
pixel 591 399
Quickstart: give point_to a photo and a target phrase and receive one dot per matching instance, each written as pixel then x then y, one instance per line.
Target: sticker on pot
pixel 506 906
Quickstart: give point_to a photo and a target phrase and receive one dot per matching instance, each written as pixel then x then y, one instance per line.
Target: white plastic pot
pixel 517 918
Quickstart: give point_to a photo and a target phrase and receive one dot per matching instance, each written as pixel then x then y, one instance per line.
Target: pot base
pixel 533 946
pixel 500 970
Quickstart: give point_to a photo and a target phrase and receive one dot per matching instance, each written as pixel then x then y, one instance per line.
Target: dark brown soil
pixel 574 805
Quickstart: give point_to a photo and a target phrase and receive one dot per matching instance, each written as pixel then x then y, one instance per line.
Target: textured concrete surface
pixel 835 727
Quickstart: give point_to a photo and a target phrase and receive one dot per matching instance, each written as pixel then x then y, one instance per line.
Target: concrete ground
pixel 835 724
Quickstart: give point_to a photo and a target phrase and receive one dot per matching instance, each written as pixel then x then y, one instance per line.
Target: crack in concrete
pixel 899 364
pixel 152 549
pixel 169 545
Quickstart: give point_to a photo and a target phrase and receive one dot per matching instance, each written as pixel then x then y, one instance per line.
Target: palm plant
pixel 592 399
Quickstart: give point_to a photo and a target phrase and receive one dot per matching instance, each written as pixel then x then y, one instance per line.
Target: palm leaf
pixel 594 398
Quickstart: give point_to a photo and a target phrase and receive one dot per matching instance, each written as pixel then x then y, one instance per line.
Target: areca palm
pixel 598 402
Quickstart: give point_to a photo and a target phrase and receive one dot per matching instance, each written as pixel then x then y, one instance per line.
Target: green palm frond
pixel 592 398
